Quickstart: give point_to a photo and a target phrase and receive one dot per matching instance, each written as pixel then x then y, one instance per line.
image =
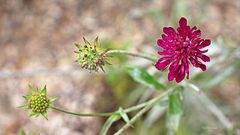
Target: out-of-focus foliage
pixel 23 132
pixel 174 113
pixel 143 77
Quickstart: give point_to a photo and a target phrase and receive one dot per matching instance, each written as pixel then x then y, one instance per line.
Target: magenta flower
pixel 180 48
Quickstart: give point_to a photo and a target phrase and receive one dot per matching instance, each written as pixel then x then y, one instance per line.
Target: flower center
pixel 38 103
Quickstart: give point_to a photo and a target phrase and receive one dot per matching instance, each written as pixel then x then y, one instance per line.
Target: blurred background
pixel 36 47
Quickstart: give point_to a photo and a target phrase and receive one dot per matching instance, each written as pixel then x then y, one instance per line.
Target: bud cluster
pixel 38 103
pixel 91 57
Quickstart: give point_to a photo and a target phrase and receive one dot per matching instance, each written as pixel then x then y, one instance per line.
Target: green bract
pixel 91 57
pixel 38 102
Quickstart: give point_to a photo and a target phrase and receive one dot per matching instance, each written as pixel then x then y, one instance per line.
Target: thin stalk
pixel 83 114
pixel 136 107
pixel 130 54
pixel 148 106
pixel 127 110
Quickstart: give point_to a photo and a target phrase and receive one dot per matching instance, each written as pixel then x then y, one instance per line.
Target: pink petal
pixel 161 43
pixel 164 58
pixel 204 58
pixel 197 63
pixel 174 66
pixel 183 31
pixel 186 67
pixel 195 34
pixel 166 38
pixel 193 28
pixel 181 74
pixel 183 22
pixel 202 66
pixel 170 76
pixel 162 65
pixel 203 51
pixel 193 61
pixel 165 52
pixel 205 43
pixel 169 30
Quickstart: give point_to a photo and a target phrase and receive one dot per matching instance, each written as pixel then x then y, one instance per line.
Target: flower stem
pixel 127 110
pixel 148 106
pixel 83 114
pixel 130 54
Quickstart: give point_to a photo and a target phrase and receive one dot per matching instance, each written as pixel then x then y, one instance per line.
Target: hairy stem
pixel 130 54
pixel 147 107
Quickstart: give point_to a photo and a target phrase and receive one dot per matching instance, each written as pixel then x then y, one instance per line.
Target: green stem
pixel 130 54
pixel 83 114
pixel 127 110
pixel 147 107
pixel 136 107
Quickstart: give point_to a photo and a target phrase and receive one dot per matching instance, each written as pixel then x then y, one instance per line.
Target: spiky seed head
pixel 91 56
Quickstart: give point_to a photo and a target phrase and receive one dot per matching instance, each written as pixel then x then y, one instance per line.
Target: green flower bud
pixel 38 102
pixel 91 57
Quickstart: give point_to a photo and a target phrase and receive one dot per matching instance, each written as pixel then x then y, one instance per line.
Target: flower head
pixel 180 48
pixel 91 57
pixel 38 102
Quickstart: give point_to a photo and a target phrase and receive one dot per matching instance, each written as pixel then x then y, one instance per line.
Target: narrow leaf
pixel 108 123
pixel 143 77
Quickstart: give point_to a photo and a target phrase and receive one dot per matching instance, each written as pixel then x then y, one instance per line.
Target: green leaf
pixel 124 115
pixel 45 115
pixel 143 77
pixel 108 123
pixel 174 112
